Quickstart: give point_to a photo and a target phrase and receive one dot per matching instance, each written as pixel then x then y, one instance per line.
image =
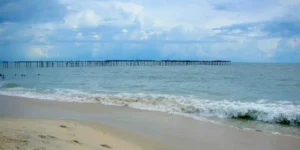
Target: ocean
pixel 251 96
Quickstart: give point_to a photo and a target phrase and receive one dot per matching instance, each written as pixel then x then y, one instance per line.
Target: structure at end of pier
pixel 47 64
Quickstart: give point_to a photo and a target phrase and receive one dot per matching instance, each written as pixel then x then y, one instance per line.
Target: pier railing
pixel 47 64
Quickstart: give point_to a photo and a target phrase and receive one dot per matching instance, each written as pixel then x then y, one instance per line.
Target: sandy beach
pixel 41 134
pixel 149 75
pixel 82 126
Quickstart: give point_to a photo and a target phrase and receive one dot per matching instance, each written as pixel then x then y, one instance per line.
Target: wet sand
pixel 156 130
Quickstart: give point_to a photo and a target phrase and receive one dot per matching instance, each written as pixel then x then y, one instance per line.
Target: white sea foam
pixel 261 110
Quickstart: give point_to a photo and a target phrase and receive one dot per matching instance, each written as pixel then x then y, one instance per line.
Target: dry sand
pixel 41 134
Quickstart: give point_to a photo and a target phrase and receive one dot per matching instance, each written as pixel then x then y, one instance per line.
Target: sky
pixel 236 30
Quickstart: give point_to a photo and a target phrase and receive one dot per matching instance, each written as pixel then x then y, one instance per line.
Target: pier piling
pixel 48 64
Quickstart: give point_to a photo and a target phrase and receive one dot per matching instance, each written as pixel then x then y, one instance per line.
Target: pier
pixel 49 64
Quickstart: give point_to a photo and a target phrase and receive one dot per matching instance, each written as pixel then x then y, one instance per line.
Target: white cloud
pixel 92 13
pixel 129 8
pixel 85 18
pixel 96 36
pixel 157 14
pixel 236 31
pixel 140 35
pixel 294 42
pixel 124 31
pixel 268 46
pixel 256 34
pixel 155 21
pixel 144 35
pixel 36 52
pixel 79 35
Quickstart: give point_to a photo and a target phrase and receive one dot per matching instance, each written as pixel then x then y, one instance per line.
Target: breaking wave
pixel 8 85
pixel 260 110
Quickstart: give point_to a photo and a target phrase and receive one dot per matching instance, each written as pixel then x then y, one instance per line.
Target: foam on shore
pixel 281 112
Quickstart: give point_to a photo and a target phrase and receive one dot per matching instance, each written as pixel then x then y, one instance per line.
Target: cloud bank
pixel 246 31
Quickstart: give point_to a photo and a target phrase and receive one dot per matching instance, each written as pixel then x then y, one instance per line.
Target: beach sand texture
pixel 41 134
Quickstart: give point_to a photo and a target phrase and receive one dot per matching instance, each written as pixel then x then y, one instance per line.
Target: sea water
pixel 255 96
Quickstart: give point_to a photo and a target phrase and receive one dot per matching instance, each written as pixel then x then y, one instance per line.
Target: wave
pixel 280 112
pixel 9 85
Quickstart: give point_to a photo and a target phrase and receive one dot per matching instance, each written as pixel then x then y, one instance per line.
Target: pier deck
pixel 46 64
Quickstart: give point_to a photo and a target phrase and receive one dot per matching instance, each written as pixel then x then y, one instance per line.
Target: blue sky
pixel 237 30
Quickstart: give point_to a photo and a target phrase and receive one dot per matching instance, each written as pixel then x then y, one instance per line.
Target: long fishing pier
pixel 47 64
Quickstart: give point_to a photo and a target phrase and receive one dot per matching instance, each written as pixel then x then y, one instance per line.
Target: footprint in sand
pixel 47 137
pixel 75 141
pixel 106 146
pixel 63 126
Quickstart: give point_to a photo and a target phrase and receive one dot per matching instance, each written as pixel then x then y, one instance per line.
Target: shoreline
pixel 243 124
pixel 178 131
pixel 263 112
